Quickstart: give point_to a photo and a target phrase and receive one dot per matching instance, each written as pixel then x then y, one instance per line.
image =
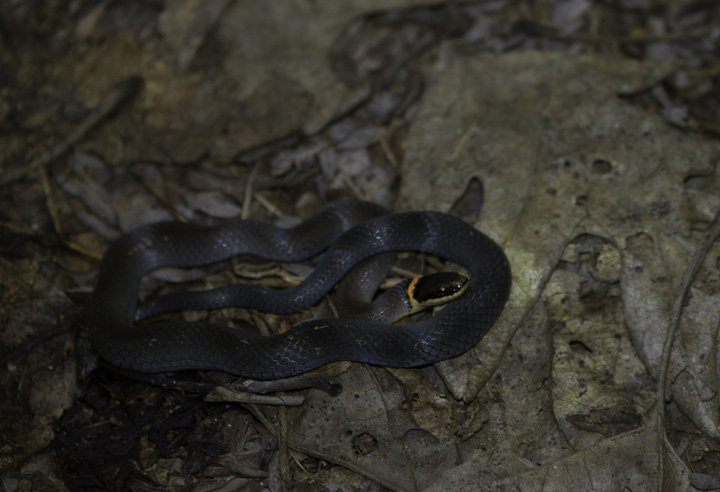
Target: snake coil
pixel 178 345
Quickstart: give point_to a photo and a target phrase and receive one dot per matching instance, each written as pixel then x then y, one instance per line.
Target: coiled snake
pixel 178 345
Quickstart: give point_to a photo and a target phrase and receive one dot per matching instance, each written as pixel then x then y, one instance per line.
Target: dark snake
pixel 166 346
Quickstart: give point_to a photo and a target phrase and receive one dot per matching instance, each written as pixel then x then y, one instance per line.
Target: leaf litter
pixel 600 199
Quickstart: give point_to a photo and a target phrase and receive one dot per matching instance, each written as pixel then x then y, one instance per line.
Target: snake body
pixel 178 345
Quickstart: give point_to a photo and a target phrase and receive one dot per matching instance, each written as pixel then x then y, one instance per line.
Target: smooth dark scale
pixel 177 345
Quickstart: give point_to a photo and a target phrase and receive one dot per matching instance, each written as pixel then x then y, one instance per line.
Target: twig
pixel 221 394
pixel 550 32
pixel 282 438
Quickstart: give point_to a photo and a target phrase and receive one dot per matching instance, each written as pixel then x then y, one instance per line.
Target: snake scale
pixel 349 233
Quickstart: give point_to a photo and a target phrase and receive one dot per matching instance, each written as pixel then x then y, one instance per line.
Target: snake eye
pixel 439 288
